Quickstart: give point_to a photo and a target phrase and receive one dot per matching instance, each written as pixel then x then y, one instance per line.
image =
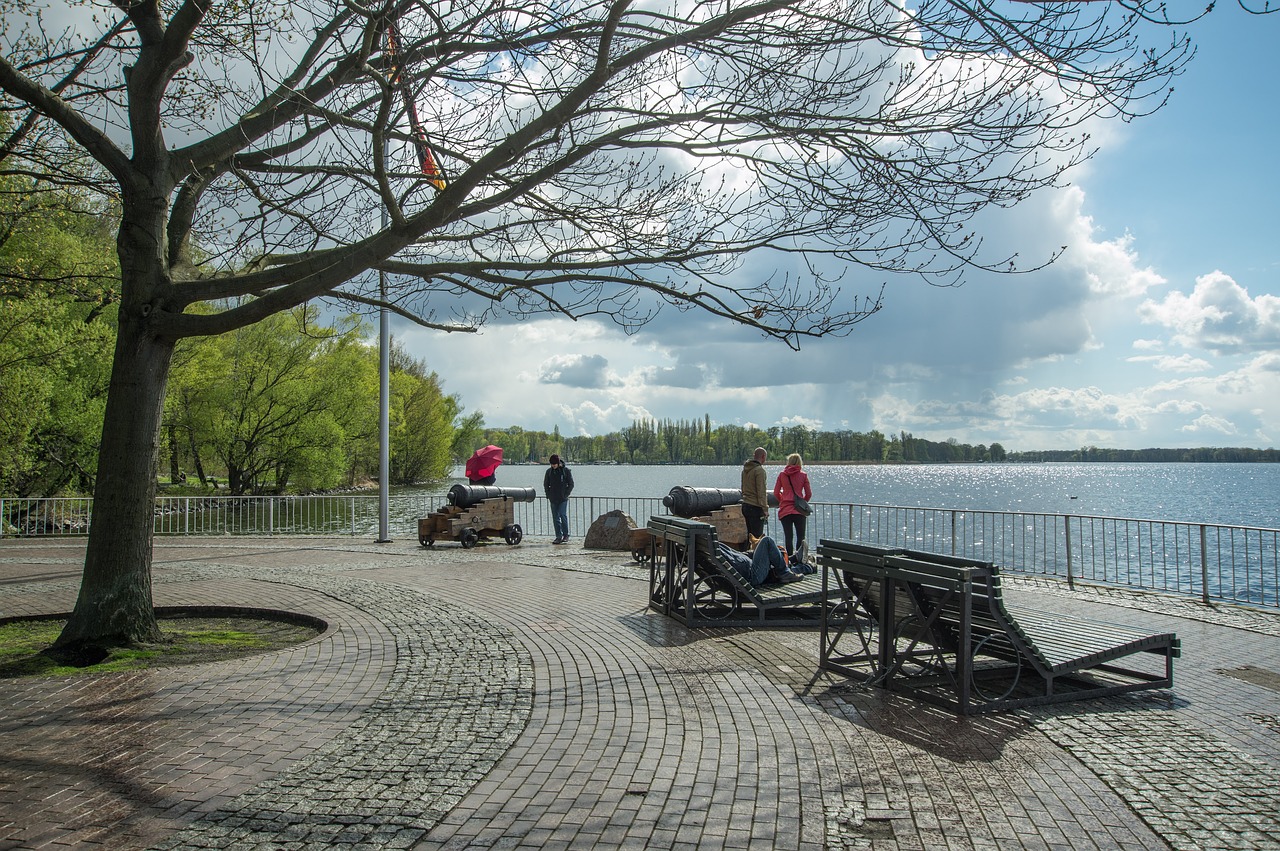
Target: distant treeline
pixel 1202 455
pixel 667 441
pixel 651 441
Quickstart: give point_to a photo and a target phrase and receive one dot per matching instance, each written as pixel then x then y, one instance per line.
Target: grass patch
pixel 186 641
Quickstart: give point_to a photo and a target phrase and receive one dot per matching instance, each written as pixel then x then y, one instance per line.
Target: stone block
pixel 610 531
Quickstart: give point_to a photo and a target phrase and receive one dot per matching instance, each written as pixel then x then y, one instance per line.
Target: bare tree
pixel 583 158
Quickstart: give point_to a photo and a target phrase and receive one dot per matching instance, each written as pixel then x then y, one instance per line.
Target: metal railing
pixel 1214 562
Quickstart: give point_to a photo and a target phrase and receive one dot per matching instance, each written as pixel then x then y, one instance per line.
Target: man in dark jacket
pixel 557 483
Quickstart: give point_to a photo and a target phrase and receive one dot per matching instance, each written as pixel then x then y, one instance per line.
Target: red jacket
pixel 792 482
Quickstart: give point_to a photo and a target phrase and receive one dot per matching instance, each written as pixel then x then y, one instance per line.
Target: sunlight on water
pixel 1236 494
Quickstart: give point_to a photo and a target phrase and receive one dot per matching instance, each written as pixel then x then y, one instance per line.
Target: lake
pixel 1228 494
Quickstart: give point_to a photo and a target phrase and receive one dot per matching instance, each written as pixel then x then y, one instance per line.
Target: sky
pixel 1159 326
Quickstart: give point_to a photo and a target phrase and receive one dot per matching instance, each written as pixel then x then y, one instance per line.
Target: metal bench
pixel 936 627
pixel 689 581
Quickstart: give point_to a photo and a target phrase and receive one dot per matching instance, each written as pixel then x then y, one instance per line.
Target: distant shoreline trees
pixel 696 441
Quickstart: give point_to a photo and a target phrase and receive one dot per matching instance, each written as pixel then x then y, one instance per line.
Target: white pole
pixel 384 397
pixel 384 411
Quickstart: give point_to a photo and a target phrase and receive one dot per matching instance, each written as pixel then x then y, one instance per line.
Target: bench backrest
pixel 950 583
pixel 946 581
pixel 858 567
pixel 667 527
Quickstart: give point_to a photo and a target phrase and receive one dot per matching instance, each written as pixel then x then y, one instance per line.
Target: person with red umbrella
pixel 482 464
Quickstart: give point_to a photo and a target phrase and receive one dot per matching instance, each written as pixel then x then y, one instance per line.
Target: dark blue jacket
pixel 558 483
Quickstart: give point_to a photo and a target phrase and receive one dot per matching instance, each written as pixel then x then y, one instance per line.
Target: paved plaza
pixel 524 697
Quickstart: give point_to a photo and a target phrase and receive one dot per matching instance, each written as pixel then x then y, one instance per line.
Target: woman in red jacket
pixel 792 482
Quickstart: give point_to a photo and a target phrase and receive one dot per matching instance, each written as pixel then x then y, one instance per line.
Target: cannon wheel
pixel 468 538
pixel 513 534
pixel 426 540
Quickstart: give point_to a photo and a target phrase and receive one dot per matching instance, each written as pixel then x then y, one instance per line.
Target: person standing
pixel 557 483
pixel 755 495
pixel 793 482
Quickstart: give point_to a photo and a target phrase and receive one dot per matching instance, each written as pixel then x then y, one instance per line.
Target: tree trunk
pixel 115 603
pixel 174 472
pixel 195 457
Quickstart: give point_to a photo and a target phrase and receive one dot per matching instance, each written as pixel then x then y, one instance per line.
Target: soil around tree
pixel 190 636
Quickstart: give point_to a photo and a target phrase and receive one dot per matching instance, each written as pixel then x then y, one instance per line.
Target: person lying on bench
pixel 765 564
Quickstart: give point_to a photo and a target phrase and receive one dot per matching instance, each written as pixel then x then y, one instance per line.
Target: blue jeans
pixel 767 560
pixel 560 518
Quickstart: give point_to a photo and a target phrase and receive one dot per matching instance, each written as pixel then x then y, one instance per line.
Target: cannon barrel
pixel 465 496
pixel 686 501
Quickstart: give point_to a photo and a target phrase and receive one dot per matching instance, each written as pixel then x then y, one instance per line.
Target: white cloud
pixel 1171 363
pixel 1218 315
pixel 1111 266
pixel 1213 424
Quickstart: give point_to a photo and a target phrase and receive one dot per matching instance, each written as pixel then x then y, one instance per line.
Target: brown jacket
pixel 755 485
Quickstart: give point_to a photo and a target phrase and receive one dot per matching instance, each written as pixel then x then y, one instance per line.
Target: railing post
pixel 1204 564
pixel 3 521
pixel 1066 528
pixel 186 515
pixel 953 532
pixel 353 516
pixel 271 515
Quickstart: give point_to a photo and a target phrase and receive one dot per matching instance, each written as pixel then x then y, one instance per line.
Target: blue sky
pixel 1159 327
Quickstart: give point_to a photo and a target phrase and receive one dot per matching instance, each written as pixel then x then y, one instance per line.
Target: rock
pixel 610 531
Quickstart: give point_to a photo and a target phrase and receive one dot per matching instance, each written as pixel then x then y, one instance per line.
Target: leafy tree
pixel 426 425
pixel 279 402
pixel 57 283
pixel 602 158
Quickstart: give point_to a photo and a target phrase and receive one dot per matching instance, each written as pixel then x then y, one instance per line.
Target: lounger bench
pixel 690 581
pixel 936 627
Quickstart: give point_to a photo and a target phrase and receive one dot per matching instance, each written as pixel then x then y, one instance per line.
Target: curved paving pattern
pixel 522 697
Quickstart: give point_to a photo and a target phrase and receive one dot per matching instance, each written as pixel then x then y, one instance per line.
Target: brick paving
pixel 524 698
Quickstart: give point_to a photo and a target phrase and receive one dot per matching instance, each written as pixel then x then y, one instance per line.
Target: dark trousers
pixel 754 515
pixel 793 524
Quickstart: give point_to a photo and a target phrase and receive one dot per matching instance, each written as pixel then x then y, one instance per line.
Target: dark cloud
pixel 584 371
pixel 687 375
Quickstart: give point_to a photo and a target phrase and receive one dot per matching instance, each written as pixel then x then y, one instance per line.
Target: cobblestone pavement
pixel 522 697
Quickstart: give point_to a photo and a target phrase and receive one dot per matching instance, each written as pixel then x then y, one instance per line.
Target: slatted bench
pixel 696 585
pixel 936 627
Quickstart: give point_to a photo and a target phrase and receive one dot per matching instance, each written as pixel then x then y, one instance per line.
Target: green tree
pixel 427 429
pixel 58 279
pixel 278 403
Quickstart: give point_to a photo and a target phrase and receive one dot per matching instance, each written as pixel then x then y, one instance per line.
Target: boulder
pixel 610 531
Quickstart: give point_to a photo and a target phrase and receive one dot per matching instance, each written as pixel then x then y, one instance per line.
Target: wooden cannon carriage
pixel 474 514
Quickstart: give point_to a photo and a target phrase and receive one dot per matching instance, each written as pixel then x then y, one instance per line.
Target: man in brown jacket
pixel 755 493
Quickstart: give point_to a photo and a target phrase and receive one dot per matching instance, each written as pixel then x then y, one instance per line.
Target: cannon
pixel 688 502
pixel 465 496
pixel 473 514
pixel 685 501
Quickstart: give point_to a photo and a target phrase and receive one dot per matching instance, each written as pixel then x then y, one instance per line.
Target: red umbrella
pixel 484 461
